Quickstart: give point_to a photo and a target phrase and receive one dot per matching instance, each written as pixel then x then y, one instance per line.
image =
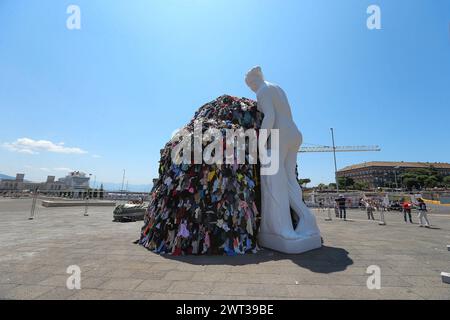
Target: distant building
pixel 385 173
pixel 76 180
pixel 17 185
pixel 74 185
pixel 20 177
pixel 52 187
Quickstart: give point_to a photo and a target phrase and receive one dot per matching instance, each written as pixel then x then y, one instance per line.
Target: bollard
pixel 33 205
pixel 445 277
pixel 329 215
pixel 86 208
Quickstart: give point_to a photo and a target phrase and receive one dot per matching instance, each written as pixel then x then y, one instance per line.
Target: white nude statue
pixel 281 192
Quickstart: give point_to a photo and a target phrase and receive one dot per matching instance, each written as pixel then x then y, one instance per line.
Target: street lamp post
pixel 86 208
pixel 33 204
pixel 123 180
pixel 335 164
pixel 395 175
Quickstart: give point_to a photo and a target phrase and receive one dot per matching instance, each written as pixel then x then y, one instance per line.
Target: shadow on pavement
pixel 323 260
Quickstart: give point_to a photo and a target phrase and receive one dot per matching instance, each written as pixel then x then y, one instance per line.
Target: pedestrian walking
pixel 407 210
pixel 423 216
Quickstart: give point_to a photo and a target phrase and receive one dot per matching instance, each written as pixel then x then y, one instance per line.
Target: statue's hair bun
pixel 256 71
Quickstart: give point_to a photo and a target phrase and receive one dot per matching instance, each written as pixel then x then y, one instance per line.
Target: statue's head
pixel 254 78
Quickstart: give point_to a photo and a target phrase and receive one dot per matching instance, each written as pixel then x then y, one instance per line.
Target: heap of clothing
pixel 206 209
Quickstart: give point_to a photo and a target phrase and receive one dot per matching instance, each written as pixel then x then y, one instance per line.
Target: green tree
pixel 361 186
pixel 321 186
pixel 304 181
pixel 410 183
pixel 341 182
pixel 431 182
pixel 345 182
pixel 422 178
pixel 419 178
pixel 446 181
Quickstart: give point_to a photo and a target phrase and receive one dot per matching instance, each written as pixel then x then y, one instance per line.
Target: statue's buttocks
pixel 283 121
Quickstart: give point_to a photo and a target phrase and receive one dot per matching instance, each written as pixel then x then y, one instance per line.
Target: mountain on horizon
pixel 5 177
pixel 109 186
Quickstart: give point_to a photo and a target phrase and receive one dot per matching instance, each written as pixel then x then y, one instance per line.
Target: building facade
pixel 74 185
pixel 19 184
pixel 387 174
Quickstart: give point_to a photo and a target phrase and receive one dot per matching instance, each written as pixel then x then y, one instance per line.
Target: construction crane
pixel 338 149
pixel 335 149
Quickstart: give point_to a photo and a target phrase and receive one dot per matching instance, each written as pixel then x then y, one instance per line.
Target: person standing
pixel 341 202
pixel 385 203
pixel 370 209
pixel 423 216
pixel 407 210
pixel 336 209
pixel 321 206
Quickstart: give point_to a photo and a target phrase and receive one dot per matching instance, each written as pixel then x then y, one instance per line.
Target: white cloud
pixel 30 146
pixel 96 156
pixel 45 169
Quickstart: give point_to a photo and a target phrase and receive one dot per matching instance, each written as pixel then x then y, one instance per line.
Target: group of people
pixel 421 207
pixel 372 205
pixel 407 207
pixel 340 207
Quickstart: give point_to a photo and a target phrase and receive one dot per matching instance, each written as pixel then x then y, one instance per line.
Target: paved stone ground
pixel 34 256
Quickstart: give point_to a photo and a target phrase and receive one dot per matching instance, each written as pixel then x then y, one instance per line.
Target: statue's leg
pixel 295 192
pixel 307 223
pixel 286 194
pixel 276 218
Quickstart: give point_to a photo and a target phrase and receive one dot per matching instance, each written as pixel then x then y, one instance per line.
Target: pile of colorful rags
pixel 207 209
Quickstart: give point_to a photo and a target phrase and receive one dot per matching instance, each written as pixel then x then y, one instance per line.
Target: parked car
pixel 130 212
pixel 395 207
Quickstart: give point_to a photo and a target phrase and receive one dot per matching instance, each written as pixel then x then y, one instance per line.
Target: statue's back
pixel 289 133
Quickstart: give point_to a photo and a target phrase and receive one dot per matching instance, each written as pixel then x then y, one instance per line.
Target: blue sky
pixel 114 91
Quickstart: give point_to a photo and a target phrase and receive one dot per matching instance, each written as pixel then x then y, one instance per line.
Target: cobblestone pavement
pixel 35 254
